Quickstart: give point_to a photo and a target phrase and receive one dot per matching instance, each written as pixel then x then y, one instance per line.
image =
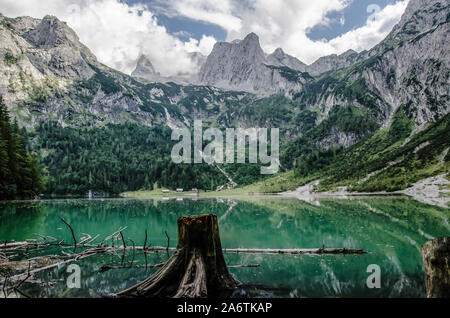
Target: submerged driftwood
pixel 436 265
pixel 197 269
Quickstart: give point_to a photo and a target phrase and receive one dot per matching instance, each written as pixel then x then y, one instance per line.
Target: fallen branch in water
pixel 16 288
pixel 71 229
pixel 225 250
pixel 17 245
pixel 297 251
pixel 263 251
pixel 107 267
pixel 244 266
pixel 77 257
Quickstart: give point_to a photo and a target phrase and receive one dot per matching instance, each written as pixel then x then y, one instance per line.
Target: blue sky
pixel 180 26
pixel 355 15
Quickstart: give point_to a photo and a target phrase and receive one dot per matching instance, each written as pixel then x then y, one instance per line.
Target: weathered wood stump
pixel 436 264
pixel 196 270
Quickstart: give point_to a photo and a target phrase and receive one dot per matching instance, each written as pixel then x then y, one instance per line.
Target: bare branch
pixel 71 229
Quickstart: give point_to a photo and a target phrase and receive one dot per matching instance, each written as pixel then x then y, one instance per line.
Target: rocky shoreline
pixel 431 191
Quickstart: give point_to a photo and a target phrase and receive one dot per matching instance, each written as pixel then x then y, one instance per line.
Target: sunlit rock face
pixel 332 62
pixel 242 65
pixel 60 52
pixel 280 58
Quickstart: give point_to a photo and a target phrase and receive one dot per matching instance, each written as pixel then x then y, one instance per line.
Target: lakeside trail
pixel 433 191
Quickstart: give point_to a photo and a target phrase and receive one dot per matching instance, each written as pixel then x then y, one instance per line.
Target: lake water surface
pixel 390 229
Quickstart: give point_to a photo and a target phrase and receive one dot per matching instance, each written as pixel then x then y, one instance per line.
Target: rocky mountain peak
pixel 242 65
pixel 333 62
pixel 422 8
pixel 280 58
pixel 146 71
pixel 20 24
pixel 50 33
pixel 348 53
pixel 250 47
pixel 252 38
pixel 279 53
pixel 55 48
pixel 419 17
pixel 144 68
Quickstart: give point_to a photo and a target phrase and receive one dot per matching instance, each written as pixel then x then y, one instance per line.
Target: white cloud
pixel 376 29
pixel 285 23
pixel 118 33
pixel 221 13
pixel 204 45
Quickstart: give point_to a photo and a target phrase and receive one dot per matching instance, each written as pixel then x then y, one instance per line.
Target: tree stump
pixel 436 264
pixel 196 270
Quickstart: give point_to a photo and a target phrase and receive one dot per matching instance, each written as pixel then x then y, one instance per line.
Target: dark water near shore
pixel 391 229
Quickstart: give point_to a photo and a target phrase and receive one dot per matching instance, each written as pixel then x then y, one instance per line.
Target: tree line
pixel 20 176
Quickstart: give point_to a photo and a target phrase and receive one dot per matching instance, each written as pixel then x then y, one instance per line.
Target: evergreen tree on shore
pixel 19 171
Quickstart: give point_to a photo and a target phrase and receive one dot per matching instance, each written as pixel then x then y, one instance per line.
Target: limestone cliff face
pixel 243 66
pixel 280 58
pixel 39 56
pixel 332 62
pixel 412 65
pixel 58 50
pixel 409 70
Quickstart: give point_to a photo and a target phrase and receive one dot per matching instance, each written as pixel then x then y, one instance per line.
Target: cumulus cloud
pixel 376 29
pixel 285 23
pixel 118 33
pixel 221 13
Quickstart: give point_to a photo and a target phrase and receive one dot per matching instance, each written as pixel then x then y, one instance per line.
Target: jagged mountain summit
pixel 332 62
pixel 280 58
pixel 51 46
pixel 242 65
pixel 144 69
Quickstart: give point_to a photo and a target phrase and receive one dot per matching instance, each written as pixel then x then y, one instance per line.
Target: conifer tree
pixel 19 171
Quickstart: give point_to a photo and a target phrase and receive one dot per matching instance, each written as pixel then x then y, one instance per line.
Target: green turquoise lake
pixel 391 229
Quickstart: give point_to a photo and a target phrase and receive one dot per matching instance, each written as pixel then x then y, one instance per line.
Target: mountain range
pixel 338 102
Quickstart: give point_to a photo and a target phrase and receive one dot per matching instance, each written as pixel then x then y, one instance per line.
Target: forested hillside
pixel 391 159
pixel 125 157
